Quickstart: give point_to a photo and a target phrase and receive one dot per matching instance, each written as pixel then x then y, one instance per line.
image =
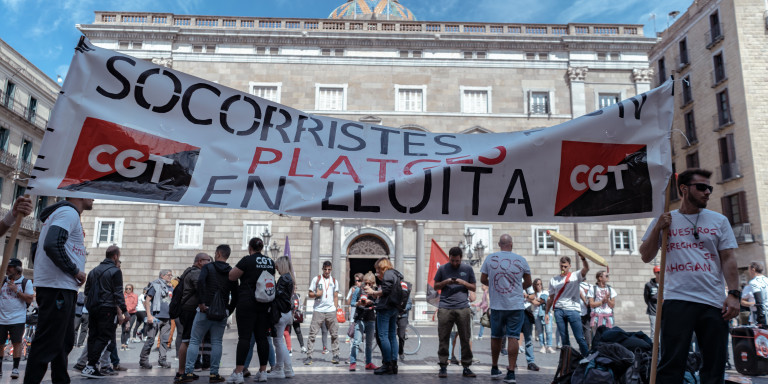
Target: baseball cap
pixel 656 269
pixel 14 262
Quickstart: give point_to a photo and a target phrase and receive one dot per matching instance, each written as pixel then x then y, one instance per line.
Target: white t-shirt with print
pixel 693 271
pixel 330 289
pixel 601 294
pixel 13 310
pixel 570 299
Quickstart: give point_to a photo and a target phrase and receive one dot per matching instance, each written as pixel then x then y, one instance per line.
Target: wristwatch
pixel 735 293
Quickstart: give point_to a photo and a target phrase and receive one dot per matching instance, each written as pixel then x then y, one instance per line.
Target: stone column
pixel 336 252
pixel 399 263
pixel 314 253
pixel 642 78
pixel 578 97
pixel 420 305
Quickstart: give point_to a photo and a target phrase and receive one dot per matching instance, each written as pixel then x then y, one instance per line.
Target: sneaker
pixel 15 373
pixel 551 350
pixel 468 372
pixel 504 352
pixel 177 378
pixel 325 350
pixel 496 373
pixel 510 378
pixel 77 367
pixel 443 372
pixel 261 377
pixel 277 374
pixel 164 364
pixel 303 349
pixel 91 373
pixel 308 361
pixel 290 353
pixel 454 361
pixel 353 367
pixel 246 373
pixel 145 366
pixel 533 367
pixel 370 367
pixel 108 371
pixel 335 359
pixel 216 379
pixel 543 350
pixel 188 378
pixel 119 368
pixel 235 378
pixel 288 371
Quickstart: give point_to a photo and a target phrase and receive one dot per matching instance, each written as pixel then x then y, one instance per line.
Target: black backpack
pixel 174 308
pixel 569 361
pixel 401 290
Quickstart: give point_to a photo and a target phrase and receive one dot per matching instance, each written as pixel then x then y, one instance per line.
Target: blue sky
pixel 44 30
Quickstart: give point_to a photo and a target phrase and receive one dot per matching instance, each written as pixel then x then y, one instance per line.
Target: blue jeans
pixel 545 336
pixel 563 317
pixel 527 332
pixel 386 320
pixel 250 352
pixel 200 327
pixel 368 328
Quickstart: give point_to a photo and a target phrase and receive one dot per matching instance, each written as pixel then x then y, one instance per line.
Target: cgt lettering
pixel 597 178
pixel 135 168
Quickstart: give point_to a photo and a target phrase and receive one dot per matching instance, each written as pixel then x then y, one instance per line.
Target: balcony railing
pixel 404 26
pixel 743 233
pixel 729 171
pixel 718 77
pixel 539 109
pixel 721 120
pixel 13 105
pixel 8 159
pixel 714 35
pixel 29 223
pixel 25 167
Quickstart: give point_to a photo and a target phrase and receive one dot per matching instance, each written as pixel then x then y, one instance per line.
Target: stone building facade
pixel 478 78
pixel 27 96
pixel 716 51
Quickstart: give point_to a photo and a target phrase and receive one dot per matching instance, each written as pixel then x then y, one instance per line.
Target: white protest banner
pixel 126 129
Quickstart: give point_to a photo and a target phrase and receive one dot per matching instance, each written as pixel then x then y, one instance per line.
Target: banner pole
pixel 660 294
pixel 9 247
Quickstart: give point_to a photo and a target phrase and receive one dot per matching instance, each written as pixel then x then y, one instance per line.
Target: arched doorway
pixel 362 253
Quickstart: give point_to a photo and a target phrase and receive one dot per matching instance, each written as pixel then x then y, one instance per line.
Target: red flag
pixel 437 257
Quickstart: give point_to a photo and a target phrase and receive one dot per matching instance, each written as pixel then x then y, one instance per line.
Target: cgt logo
pixel 115 160
pixel 598 179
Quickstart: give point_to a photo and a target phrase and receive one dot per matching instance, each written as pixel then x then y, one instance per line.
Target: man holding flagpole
pixel 700 261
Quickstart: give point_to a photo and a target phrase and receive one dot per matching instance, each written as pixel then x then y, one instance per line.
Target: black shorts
pixel 16 331
pixel 187 318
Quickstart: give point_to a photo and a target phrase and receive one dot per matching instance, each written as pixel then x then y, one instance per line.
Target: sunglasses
pixel 701 187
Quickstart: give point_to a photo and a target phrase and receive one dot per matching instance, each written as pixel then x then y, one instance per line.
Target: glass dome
pixel 372 9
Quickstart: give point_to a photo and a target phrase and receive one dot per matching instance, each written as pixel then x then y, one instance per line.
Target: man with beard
pixel 700 261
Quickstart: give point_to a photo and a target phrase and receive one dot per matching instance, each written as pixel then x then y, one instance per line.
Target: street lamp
pixel 479 250
pixel 266 236
pixel 274 250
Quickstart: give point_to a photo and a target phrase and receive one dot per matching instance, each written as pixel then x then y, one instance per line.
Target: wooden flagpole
pixel 660 294
pixel 9 247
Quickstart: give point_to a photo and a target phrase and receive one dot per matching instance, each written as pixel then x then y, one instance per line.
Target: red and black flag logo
pixel 598 179
pixel 117 160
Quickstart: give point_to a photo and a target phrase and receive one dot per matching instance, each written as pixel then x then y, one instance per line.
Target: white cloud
pixel 12 5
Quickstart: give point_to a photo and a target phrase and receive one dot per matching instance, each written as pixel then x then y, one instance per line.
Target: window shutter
pixel 724 201
pixel 743 207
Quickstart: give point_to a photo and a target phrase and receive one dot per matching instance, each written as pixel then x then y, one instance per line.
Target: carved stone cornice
pixel 577 73
pixel 163 61
pixel 642 75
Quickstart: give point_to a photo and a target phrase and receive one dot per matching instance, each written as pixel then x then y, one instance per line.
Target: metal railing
pixel 729 171
pixel 743 233
pixel 714 35
pixel 25 167
pixel 539 109
pixel 8 159
pixel 13 105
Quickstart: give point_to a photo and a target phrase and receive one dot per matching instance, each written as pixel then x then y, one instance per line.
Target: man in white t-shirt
pixel 700 260
pixel 325 290
pixel 15 294
pixel 59 271
pixel 506 274
pixel 747 314
pixel 565 296
pixel 602 300
pixel 758 284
